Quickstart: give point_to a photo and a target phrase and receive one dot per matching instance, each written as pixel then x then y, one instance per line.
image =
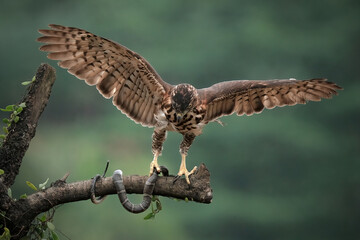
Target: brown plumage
pixel 139 92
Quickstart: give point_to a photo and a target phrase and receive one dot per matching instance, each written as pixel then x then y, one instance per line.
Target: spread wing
pixel 248 97
pixel 117 72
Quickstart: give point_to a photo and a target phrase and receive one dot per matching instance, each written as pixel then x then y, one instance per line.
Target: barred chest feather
pixel 190 122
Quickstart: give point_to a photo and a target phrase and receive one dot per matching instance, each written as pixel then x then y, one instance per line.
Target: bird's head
pixel 184 98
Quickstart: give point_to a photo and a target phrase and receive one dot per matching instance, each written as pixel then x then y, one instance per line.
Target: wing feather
pixel 118 73
pixel 249 97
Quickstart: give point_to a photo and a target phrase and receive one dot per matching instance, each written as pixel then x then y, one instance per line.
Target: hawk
pixel 138 91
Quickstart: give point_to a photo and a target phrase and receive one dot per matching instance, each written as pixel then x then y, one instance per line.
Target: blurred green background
pixel 288 173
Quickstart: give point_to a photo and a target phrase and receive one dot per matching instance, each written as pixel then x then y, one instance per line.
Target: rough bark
pixel 20 134
pixel 19 214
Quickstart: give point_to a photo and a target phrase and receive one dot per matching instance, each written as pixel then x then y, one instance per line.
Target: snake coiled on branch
pixel 121 191
pixel 147 193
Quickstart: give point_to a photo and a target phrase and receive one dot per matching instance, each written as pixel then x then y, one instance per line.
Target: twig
pixel 65 177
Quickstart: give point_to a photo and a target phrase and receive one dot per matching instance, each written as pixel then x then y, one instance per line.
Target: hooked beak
pixel 179 116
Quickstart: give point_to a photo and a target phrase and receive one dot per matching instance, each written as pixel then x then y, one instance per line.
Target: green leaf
pixel 8 108
pixel 5 120
pixel 5 130
pixel 19 110
pixel 43 218
pixel 50 226
pixel 54 235
pixel 26 83
pixel 6 234
pixel 158 205
pixel 22 105
pixel 16 119
pixel 149 216
pixel 24 196
pixel 9 192
pixel 2 136
pixel 42 185
pixel 32 186
pixel 186 199
pixel 1 171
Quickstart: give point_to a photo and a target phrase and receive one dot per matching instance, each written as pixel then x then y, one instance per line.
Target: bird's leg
pixel 183 170
pixel 184 147
pixel 158 139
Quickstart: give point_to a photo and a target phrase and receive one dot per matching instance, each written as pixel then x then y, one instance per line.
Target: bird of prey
pixel 138 91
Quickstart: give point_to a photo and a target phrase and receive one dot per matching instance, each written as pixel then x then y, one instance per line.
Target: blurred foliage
pixel 14 118
pixel 288 173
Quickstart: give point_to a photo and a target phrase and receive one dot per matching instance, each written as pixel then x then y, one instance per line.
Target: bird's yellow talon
pixel 184 171
pixel 154 164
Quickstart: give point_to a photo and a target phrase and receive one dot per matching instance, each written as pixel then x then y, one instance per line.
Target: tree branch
pixel 19 214
pixel 20 134
pixel 24 211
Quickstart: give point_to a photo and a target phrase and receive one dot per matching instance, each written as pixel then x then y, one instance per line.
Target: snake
pixel 121 191
pixel 93 198
pixel 147 193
